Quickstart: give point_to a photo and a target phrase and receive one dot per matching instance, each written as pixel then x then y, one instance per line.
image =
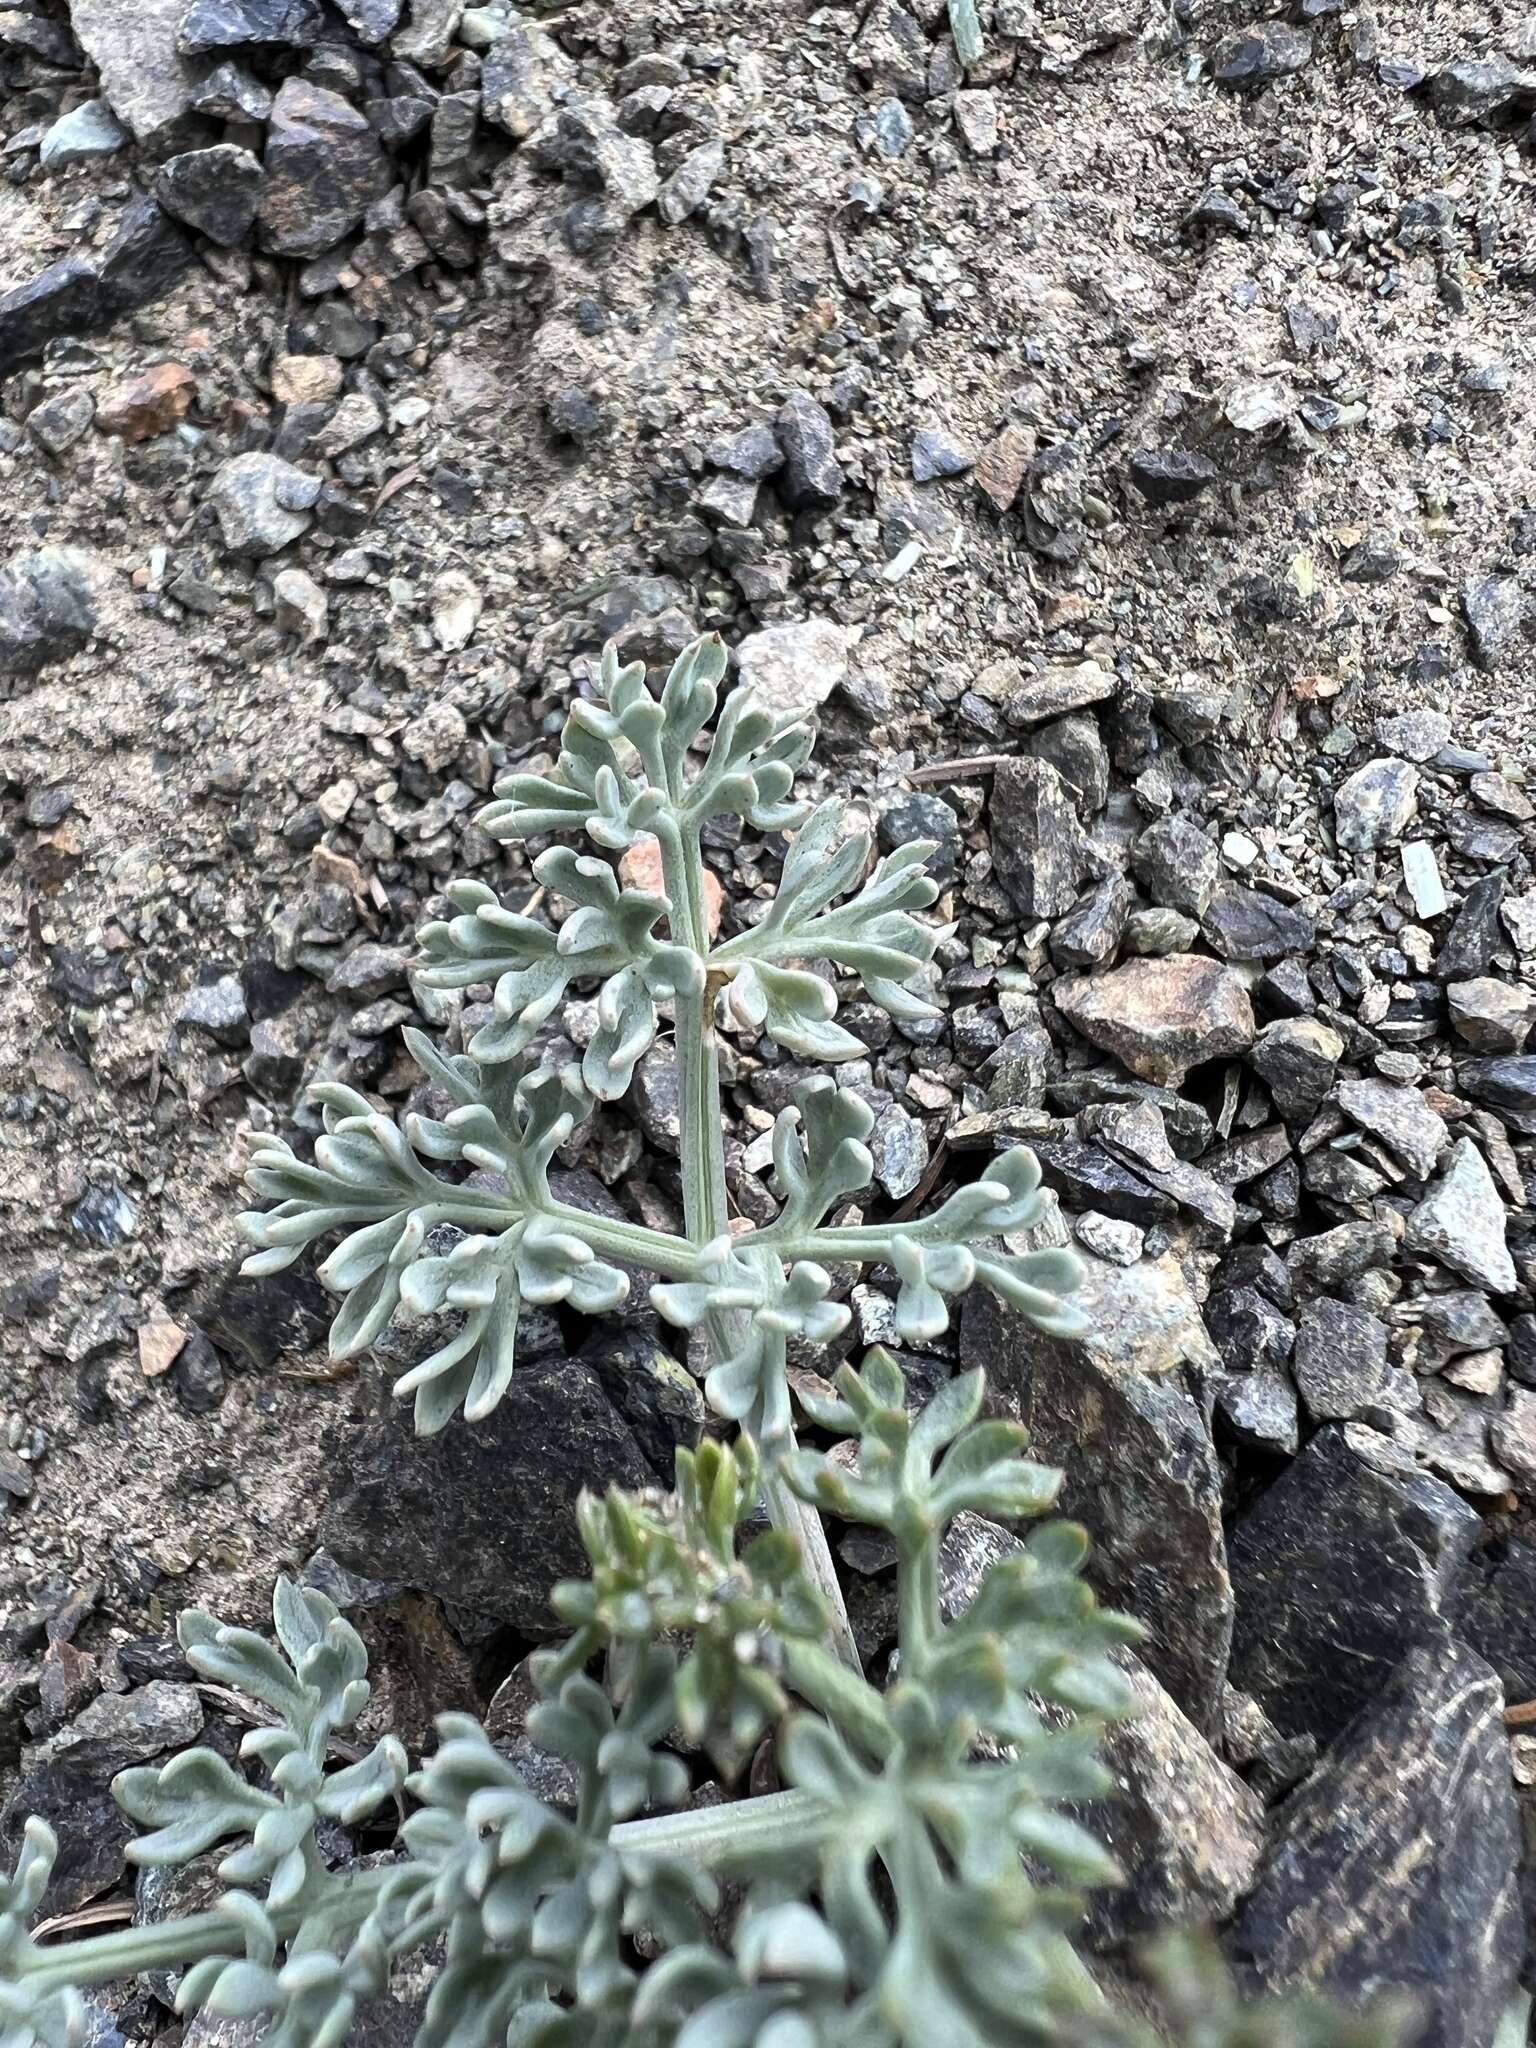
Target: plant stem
pixel 705 1214
pixel 735 1836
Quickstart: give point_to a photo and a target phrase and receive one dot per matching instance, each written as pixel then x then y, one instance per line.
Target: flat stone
pixel 1376 804
pixel 1468 948
pixel 1491 1016
pixel 1161 1017
pixel 84 135
pixel 1395 1867
pixel 518 78
pixel 209 26
pixel 685 191
pixel 1247 924
pixel 793 668
pixel 1507 1086
pixel 121 1729
pixel 1400 1117
pixel 1461 1223
pixel 1089 935
pixel 1254 57
pixel 213 190
pixel 1421 873
pixel 138 65
pixel 1341 1359
pixel 1038 845
pixel 1499 617
pixel 1415 735
pixel 1056 691
pixel 1111 1408
pixel 483 1515
pixel 1171 476
pixel 1296 1058
pixel 324 167
pixel 1470 91
pixel 1341 1562
pixel 1260 1410
pixel 85 294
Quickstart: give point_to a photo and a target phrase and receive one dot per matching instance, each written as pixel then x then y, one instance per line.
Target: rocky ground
pixel 1126 444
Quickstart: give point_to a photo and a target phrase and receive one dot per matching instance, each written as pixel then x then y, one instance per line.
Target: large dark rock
pixel 1496 1613
pixel 813 478
pixel 1038 846
pixel 1113 1410
pixel 213 26
pixel 84 294
pixel 1506 1086
pixel 324 167
pixel 483 1514
pixel 93 1832
pixel 1349 1554
pixel 1394 1867
pixel 47 607
pixel 213 190
pixel 1245 924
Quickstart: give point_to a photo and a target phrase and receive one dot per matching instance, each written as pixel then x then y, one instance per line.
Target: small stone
pixel 1513 1440
pixel 753 453
pixel 976 117
pixel 210 25
pixel 898 1145
pixel 641 867
pixel 1400 1117
pixel 813 478
pixel 518 77
pixel 105 1215
pixel 690 184
pixel 121 1729
pixel 1089 935
pixel 914 814
pixel 1255 57
pixel 1161 1017
pixel 1341 1359
pixel 299 605
pixel 84 135
pixel 1172 476
pixel 935 454
pixel 213 190
pixel 1247 924
pixel 1375 559
pixel 370 970
pixel 1505 799
pixel 148 404
pixel 1375 805
pixel 1470 92
pixel 142 76
pixel 217 1008
pixel 198 1379
pixel 1415 735
pixel 262 503
pixel 1491 1016
pixel 78 295
pixel 1109 1237
pixel 324 167
pixel 1156 932
pixel 1499 617
pixel 59 422
pixel 456 607
pixel 1461 1223
pixel 229 93
pixel 161 1338
pixel 1056 692
pixel 1468 948
pixel 1421 873
pixel 1260 1409
pixel 585 144
pixel 793 668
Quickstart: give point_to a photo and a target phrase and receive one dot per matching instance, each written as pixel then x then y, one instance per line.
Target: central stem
pixel 705 1215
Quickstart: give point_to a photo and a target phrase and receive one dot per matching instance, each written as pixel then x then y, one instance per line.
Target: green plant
pixel 916 1880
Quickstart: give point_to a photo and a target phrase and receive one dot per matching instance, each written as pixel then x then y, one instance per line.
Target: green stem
pixel 171 1944
pixel 799 1519
pixel 918 1621
pixel 731 1837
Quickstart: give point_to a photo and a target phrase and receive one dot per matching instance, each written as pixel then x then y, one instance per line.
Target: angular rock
pixel 1177 864
pixel 1296 1058
pixel 1074 748
pixel 84 135
pixel 1469 946
pixel 483 1514
pixel 229 93
pixel 587 146
pixel 1246 924
pixel 685 191
pixel 1499 616
pixel 1057 691
pixel 59 422
pixel 1395 1866
pixel 324 167
pixel 1461 1223
pixel 1255 57
pixel 1248 1330
pixel 1470 91
pixel 1348 1555
pixel 84 294
pixel 1507 1086
pixel 262 502
pixel 1496 1614
pixel 121 1729
pixel 793 668
pixel 1171 476
pixel 1260 1410
pixel 518 77
pixel 1491 1016
pixel 210 26
pixel 1038 847
pixel 1400 1117
pixel 1375 805
pixel 149 404
pixel 212 190
pixel 1161 1017
pixel 1341 1359
pixel 143 78
pixel 48 607
pixel 92 1831
pixel 1111 1408
pixel 1090 933
pixel 813 478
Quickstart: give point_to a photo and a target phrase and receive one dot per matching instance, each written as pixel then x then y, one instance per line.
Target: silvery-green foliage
pixel 633 763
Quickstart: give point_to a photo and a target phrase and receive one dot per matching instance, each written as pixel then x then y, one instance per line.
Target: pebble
pixel 84 135
pixel 813 478
pixel 214 191
pixel 793 668
pixel 262 503
pixel 1376 804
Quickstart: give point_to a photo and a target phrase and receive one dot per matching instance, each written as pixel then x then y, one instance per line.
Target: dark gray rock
pixel 1255 57
pixel 685 191
pixel 1496 1613
pixel 48 607
pixel 914 814
pixel 1375 559
pixel 1341 1359
pixel 1249 1331
pixel 483 1515
pixel 59 422
pixel 1506 1086
pixel 1086 1177
pixel 585 144
pixel 1260 1410
pixel 1335 1568
pixel 218 1008
pixel 1461 1222
pixel 262 502
pixel 1172 476
pixel 1038 847
pixel 92 1830
pixel 1474 937
pixel 754 453
pixel 658 1397
pixel 1090 933
pixel 208 26
pixel 1055 692
pixel 1112 1409
pixel 1499 616
pixel 1245 924
pixel 1177 864
pixel 84 294
pixel 118 1730
pixel 212 190
pixel 936 454
pixel 517 79
pixel 256 1322
pixel 1395 1866
pixel 324 168
pixel 1297 1058
pixel 813 478
pixel 1470 92
pixel 230 93
pixel 1074 747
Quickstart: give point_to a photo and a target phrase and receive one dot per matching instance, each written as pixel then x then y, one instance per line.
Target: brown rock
pixel 148 404
pixel 324 166
pixel 1161 1017
pixel 640 868
pixel 305 380
pixel 1001 465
